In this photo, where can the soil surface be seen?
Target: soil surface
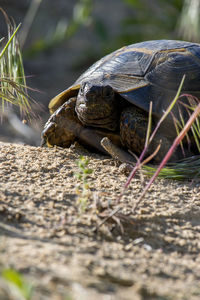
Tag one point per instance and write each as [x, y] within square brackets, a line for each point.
[65, 254]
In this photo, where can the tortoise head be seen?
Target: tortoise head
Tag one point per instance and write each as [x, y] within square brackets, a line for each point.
[96, 106]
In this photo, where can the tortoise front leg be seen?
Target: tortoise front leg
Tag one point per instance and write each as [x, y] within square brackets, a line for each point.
[133, 129]
[64, 127]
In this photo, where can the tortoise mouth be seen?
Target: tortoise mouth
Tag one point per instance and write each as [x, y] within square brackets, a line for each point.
[97, 115]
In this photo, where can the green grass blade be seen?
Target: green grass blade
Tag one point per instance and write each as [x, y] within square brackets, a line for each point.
[149, 125]
[9, 41]
[13, 88]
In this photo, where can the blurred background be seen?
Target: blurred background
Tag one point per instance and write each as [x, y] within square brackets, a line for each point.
[60, 39]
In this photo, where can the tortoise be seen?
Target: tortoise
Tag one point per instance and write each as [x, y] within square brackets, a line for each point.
[112, 98]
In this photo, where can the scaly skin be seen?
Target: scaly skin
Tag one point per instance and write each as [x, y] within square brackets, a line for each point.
[62, 127]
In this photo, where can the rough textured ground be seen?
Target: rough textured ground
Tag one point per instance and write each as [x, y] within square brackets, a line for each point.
[153, 254]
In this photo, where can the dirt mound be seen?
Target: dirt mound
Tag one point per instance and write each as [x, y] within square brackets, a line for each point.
[153, 254]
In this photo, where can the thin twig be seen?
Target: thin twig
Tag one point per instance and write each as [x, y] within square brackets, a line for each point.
[108, 217]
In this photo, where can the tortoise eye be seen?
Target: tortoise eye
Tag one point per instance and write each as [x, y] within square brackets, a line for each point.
[107, 91]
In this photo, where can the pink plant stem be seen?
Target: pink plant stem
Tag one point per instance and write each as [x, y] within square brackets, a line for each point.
[142, 155]
[135, 168]
[176, 142]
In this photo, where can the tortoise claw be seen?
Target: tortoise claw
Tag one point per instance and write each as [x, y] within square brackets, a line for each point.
[48, 133]
[43, 142]
[62, 126]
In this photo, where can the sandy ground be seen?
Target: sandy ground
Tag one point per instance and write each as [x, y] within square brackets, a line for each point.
[153, 254]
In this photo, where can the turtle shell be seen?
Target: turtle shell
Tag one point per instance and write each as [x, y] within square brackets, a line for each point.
[144, 72]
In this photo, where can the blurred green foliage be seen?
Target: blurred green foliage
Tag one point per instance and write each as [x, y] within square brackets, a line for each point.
[18, 284]
[189, 21]
[64, 29]
[145, 20]
[150, 20]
